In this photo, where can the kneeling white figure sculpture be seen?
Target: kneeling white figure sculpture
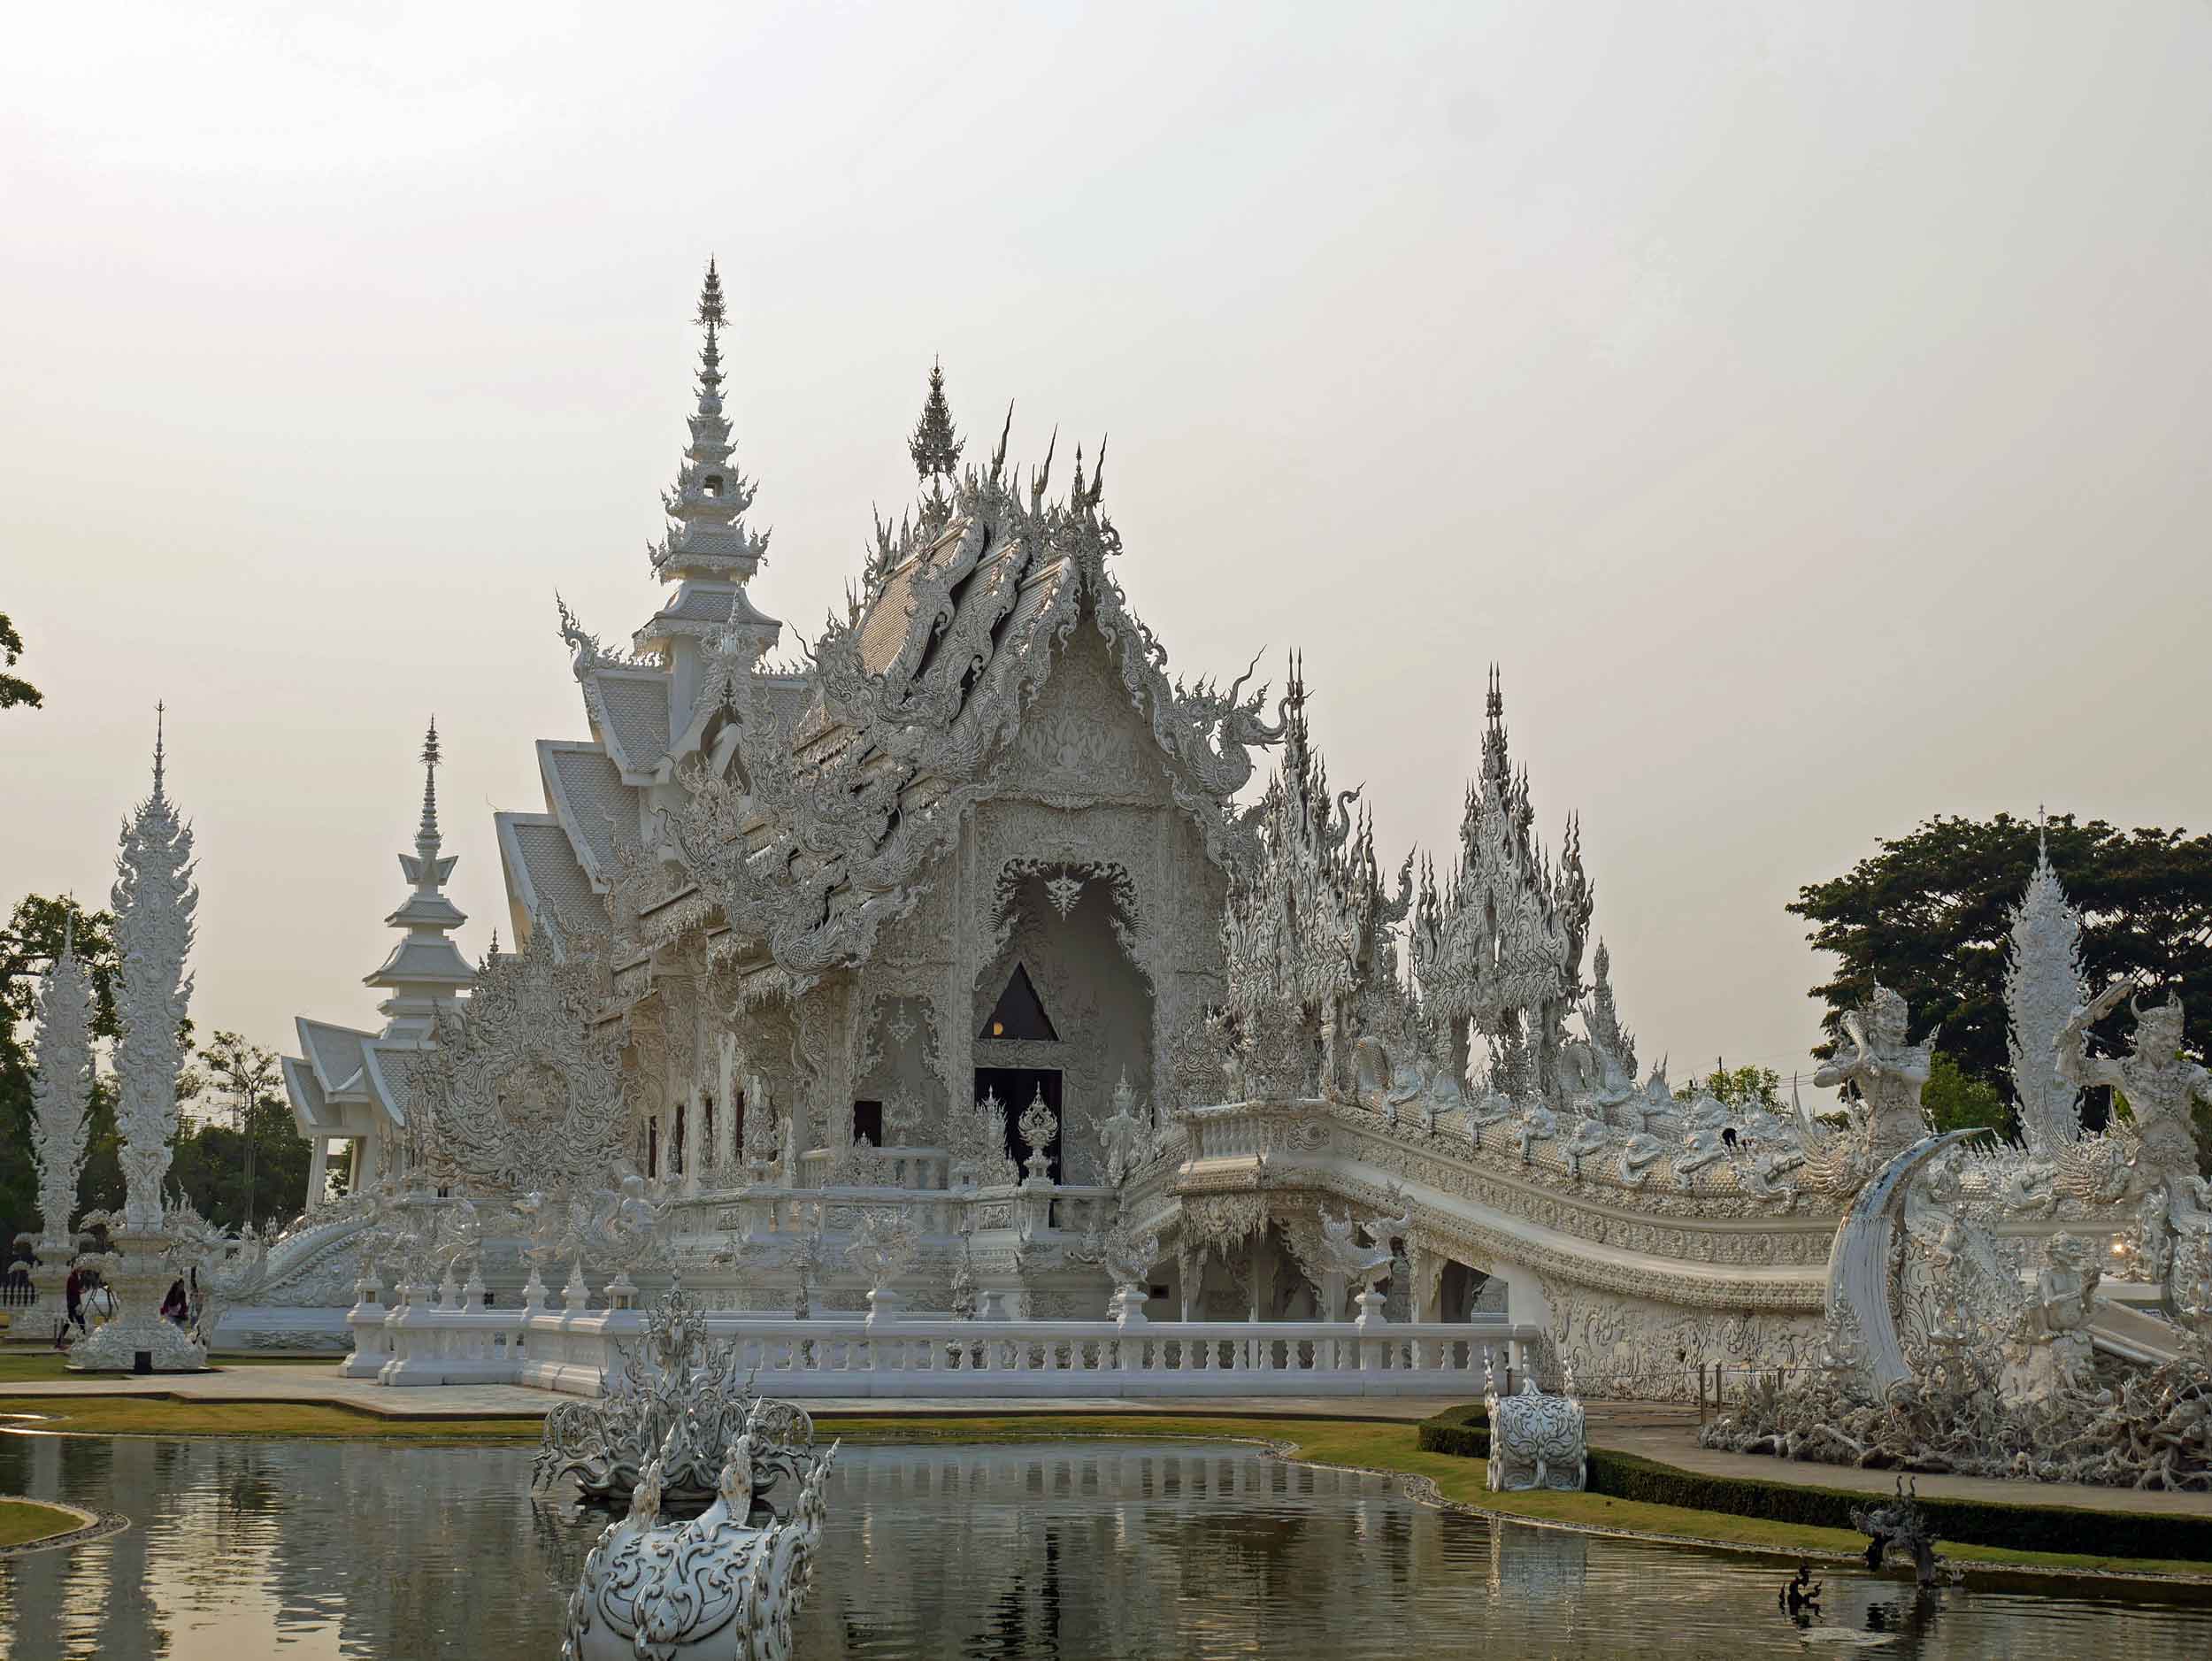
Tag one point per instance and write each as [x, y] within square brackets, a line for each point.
[720, 1587]
[1536, 1441]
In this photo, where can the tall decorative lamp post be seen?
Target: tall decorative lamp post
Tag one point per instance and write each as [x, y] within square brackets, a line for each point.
[154, 899]
[59, 1097]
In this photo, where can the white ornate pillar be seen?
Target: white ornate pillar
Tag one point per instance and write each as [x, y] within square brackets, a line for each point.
[725, 1093]
[694, 1134]
[1426, 1266]
[318, 1172]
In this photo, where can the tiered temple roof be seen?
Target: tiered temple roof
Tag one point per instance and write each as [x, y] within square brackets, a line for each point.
[349, 1082]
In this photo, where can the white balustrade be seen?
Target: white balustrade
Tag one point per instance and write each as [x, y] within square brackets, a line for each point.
[572, 1351]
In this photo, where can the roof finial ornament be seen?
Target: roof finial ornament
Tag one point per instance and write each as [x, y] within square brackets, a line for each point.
[1041, 478]
[935, 446]
[712, 316]
[998, 456]
[429, 831]
[710, 311]
[160, 719]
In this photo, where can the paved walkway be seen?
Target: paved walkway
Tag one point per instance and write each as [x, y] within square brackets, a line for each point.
[244, 1383]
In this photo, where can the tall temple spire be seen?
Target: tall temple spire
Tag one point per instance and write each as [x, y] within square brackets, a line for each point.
[426, 837]
[425, 969]
[708, 551]
[61, 1088]
[2043, 988]
[154, 899]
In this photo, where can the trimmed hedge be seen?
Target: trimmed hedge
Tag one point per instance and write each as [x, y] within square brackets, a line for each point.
[1465, 1431]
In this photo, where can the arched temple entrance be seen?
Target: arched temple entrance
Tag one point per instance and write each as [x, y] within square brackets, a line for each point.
[1061, 1010]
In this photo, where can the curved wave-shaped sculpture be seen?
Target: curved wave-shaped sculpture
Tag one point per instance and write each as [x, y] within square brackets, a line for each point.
[719, 1587]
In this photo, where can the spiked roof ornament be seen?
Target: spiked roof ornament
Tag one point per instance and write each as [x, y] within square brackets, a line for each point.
[936, 447]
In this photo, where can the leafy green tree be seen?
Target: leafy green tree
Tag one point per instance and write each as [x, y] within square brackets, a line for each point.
[28, 945]
[1738, 1086]
[244, 1161]
[1927, 913]
[1956, 1100]
[14, 689]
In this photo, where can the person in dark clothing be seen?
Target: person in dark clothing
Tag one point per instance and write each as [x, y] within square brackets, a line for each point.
[175, 1307]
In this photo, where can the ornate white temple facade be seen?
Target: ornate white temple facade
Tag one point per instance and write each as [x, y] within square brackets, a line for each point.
[940, 972]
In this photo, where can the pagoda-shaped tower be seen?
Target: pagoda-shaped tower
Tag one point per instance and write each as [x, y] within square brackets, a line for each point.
[425, 970]
[352, 1085]
[710, 553]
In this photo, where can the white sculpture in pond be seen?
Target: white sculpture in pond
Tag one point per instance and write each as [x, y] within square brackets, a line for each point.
[1536, 1441]
[719, 1587]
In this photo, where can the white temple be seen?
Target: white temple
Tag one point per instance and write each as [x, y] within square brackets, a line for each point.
[943, 974]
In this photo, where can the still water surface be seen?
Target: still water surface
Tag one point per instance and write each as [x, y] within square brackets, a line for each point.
[239, 1549]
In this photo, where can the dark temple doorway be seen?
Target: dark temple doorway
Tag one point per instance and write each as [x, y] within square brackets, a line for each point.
[1016, 1089]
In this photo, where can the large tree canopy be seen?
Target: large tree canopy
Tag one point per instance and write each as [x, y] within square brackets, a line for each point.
[1928, 914]
[243, 1162]
[13, 688]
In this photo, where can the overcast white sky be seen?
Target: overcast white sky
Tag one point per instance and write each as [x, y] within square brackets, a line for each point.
[1806, 405]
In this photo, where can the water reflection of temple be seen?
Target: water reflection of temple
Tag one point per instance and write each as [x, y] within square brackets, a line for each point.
[1065, 1549]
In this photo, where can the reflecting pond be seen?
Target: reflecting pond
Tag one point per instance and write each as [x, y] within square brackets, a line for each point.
[1109, 1548]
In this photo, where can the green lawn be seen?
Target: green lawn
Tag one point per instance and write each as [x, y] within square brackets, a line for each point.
[22, 1521]
[174, 1416]
[38, 1366]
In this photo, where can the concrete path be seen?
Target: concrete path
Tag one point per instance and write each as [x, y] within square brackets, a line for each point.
[244, 1383]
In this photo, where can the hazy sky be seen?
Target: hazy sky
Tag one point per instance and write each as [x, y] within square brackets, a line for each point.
[1805, 406]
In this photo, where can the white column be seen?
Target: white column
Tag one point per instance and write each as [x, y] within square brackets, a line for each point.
[318, 1172]
[693, 1137]
[726, 1085]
